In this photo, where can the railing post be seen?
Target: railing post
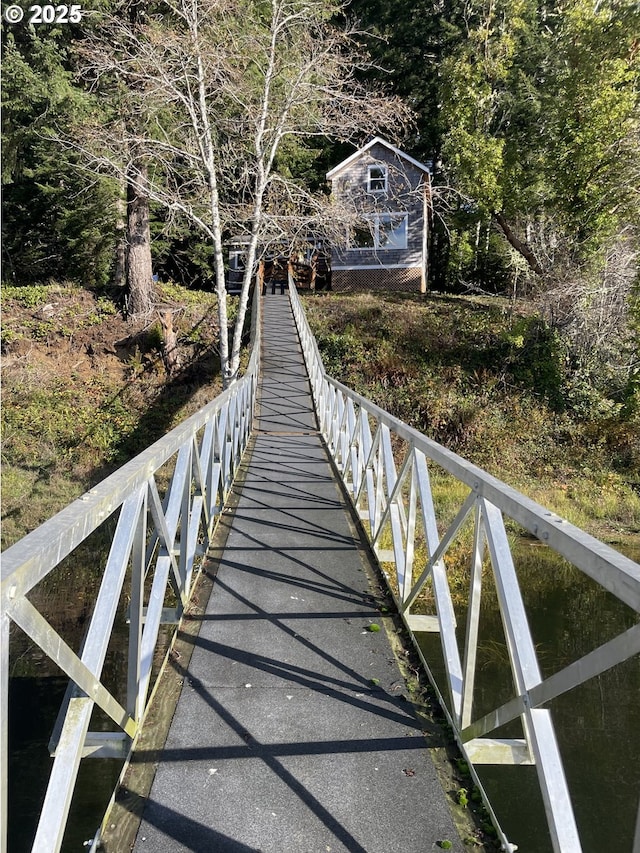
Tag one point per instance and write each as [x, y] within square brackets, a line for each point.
[411, 531]
[473, 619]
[185, 527]
[138, 565]
[210, 473]
[524, 665]
[4, 729]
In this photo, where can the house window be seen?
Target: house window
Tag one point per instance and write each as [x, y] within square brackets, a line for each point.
[377, 179]
[381, 231]
[363, 236]
[392, 231]
[237, 260]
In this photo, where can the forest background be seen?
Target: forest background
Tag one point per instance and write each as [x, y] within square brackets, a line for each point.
[529, 113]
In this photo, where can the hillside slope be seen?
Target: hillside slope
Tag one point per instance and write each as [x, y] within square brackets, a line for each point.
[491, 383]
[84, 390]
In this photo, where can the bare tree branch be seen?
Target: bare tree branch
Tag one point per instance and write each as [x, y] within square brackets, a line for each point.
[216, 87]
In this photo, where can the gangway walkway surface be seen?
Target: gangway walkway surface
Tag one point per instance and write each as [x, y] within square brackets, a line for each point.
[291, 732]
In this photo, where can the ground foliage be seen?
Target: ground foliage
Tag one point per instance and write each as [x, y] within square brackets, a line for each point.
[490, 381]
[84, 391]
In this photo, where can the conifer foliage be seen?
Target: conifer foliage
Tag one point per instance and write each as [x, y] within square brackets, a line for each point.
[56, 221]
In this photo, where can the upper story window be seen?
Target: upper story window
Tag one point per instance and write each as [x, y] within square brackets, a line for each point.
[377, 179]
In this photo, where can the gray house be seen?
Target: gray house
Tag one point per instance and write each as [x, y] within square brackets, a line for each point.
[385, 196]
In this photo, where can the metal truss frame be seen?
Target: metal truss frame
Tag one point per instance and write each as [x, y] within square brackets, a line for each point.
[384, 465]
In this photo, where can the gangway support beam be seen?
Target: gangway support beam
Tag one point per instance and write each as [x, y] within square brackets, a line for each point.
[498, 751]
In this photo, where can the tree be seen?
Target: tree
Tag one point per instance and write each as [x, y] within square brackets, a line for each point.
[490, 106]
[541, 110]
[408, 40]
[138, 266]
[57, 222]
[218, 89]
[591, 120]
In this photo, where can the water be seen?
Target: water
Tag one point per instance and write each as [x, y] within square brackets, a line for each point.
[597, 724]
[33, 707]
[66, 598]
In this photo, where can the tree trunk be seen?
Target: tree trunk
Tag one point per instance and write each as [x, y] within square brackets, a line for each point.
[522, 248]
[170, 354]
[120, 266]
[139, 271]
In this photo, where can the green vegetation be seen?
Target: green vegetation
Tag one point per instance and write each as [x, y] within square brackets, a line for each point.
[530, 113]
[462, 796]
[58, 222]
[84, 391]
[494, 385]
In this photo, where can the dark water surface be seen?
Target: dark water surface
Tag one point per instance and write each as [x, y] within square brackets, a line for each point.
[597, 725]
[33, 707]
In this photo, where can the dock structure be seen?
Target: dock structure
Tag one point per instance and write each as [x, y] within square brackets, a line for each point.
[282, 720]
[293, 731]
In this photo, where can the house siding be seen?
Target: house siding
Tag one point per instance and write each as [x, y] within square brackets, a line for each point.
[381, 268]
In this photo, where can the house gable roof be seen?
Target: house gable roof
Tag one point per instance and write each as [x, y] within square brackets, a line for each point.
[377, 140]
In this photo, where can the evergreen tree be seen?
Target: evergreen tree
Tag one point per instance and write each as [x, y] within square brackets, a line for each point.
[58, 222]
[541, 109]
[591, 120]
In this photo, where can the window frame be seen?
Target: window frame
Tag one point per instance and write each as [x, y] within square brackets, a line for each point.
[373, 221]
[382, 177]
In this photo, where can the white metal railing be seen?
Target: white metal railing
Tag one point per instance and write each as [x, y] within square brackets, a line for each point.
[394, 502]
[156, 542]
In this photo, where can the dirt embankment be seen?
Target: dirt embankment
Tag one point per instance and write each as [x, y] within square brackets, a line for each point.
[84, 389]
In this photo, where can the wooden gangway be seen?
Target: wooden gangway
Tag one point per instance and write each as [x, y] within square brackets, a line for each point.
[293, 731]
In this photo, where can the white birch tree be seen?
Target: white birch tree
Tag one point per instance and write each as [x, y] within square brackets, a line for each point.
[217, 88]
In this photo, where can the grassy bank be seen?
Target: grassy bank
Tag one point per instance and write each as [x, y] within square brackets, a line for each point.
[492, 384]
[84, 390]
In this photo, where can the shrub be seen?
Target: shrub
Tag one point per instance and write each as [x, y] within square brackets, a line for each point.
[537, 358]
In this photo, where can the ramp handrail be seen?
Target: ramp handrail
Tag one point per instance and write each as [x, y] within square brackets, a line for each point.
[156, 542]
[393, 498]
